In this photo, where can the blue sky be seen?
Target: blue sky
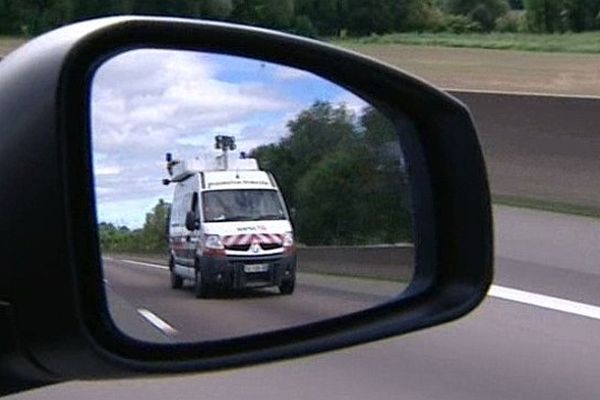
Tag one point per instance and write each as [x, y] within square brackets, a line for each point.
[149, 102]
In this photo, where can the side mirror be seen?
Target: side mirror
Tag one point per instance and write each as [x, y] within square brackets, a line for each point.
[423, 169]
[191, 221]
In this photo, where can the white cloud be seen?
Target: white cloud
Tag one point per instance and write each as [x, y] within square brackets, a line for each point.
[352, 102]
[107, 170]
[286, 73]
[175, 95]
[149, 102]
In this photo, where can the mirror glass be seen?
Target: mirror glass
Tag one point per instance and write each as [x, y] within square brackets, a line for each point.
[236, 196]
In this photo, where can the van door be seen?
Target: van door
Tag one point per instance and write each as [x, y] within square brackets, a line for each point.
[177, 223]
[191, 237]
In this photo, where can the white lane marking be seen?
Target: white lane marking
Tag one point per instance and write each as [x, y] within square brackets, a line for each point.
[145, 264]
[543, 301]
[506, 293]
[157, 322]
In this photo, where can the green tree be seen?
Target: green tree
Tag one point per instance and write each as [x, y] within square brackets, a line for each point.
[318, 131]
[279, 160]
[277, 14]
[352, 197]
[303, 26]
[330, 197]
[344, 176]
[546, 15]
[150, 238]
[582, 15]
[9, 17]
[378, 130]
[389, 188]
[484, 12]
[217, 9]
[153, 232]
[117, 238]
[328, 17]
[314, 133]
[516, 4]
[37, 16]
[424, 15]
[375, 16]
[84, 9]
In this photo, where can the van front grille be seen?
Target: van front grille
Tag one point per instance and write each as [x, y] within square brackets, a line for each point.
[246, 247]
[238, 247]
[270, 246]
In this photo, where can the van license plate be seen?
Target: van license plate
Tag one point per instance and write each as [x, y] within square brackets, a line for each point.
[256, 267]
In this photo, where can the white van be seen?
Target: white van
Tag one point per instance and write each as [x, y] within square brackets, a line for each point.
[229, 228]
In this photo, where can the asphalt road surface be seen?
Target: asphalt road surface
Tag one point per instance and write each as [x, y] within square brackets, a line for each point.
[539, 147]
[535, 337]
[140, 291]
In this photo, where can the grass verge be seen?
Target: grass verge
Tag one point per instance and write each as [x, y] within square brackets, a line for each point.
[161, 259]
[8, 44]
[544, 205]
[360, 278]
[586, 42]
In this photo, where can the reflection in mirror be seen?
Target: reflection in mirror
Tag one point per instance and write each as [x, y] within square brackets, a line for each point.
[283, 201]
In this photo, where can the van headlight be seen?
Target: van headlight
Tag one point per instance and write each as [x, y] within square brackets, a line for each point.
[288, 239]
[288, 242]
[213, 246]
[213, 242]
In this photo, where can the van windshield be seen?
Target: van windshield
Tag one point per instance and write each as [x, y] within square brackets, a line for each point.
[242, 205]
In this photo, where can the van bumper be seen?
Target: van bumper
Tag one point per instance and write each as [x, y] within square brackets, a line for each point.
[231, 272]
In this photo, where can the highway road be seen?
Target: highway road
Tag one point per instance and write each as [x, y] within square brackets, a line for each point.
[539, 147]
[535, 337]
[140, 291]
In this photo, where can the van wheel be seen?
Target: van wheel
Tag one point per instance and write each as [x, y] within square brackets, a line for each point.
[287, 287]
[201, 289]
[176, 280]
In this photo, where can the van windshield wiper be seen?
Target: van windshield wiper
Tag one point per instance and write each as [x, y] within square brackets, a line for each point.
[234, 218]
[248, 218]
[268, 216]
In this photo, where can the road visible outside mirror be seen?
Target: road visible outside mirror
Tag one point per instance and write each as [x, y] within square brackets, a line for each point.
[236, 196]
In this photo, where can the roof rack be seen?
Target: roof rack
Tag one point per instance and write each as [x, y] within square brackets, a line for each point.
[179, 170]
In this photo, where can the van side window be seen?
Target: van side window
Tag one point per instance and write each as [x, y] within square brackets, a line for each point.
[174, 209]
[178, 208]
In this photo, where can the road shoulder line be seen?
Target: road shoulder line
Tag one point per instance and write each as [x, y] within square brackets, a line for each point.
[497, 291]
[543, 301]
[157, 321]
[145, 264]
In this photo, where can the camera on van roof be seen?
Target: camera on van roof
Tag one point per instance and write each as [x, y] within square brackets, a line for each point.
[225, 142]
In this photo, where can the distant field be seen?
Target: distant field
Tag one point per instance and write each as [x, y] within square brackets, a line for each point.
[7, 44]
[478, 68]
[588, 42]
[499, 70]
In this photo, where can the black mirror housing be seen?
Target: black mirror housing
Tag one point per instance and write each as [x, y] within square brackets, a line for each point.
[46, 155]
[191, 221]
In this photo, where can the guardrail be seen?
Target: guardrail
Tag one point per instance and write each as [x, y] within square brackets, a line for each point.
[378, 262]
[540, 146]
[375, 262]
